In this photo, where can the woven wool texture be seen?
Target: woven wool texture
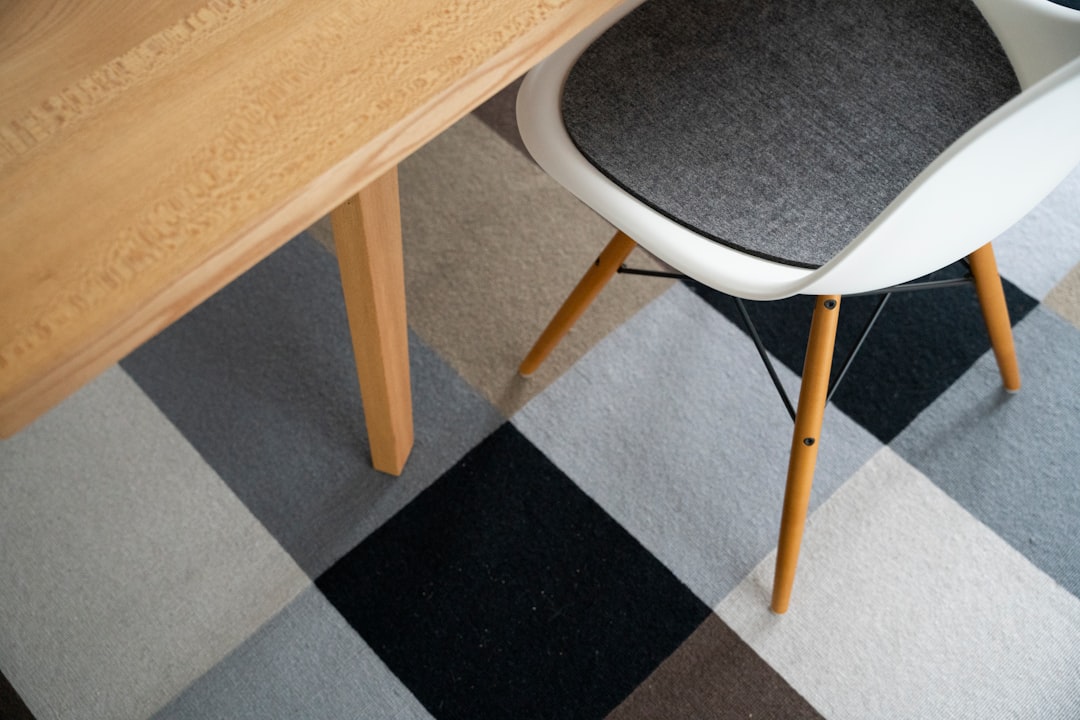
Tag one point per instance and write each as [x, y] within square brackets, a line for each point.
[782, 128]
[198, 533]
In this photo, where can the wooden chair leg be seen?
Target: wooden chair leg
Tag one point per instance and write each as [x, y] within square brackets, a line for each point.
[817, 368]
[579, 300]
[996, 314]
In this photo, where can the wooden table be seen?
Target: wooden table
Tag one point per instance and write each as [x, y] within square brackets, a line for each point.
[150, 152]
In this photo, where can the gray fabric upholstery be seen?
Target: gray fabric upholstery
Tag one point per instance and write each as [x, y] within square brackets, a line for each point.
[782, 128]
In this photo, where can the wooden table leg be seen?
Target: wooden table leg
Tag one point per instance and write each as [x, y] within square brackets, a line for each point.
[367, 236]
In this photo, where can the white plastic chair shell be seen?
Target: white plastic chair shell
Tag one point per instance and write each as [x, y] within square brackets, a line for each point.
[982, 184]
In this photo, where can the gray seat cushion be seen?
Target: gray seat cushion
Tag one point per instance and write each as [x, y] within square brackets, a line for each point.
[782, 128]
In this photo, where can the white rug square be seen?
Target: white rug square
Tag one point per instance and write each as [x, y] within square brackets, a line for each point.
[962, 625]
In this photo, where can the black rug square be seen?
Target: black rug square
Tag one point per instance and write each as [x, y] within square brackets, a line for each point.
[11, 705]
[920, 345]
[504, 591]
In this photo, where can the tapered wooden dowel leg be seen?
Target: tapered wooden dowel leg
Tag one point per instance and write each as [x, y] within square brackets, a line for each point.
[996, 314]
[817, 368]
[367, 237]
[574, 306]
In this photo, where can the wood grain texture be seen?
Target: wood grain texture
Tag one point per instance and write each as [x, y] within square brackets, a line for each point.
[581, 297]
[995, 312]
[806, 439]
[145, 164]
[367, 237]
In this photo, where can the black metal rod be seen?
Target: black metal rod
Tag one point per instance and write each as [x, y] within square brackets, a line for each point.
[650, 273]
[764, 355]
[906, 287]
[858, 345]
[913, 286]
[886, 293]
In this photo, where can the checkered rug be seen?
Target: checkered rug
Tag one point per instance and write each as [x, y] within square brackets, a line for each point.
[198, 532]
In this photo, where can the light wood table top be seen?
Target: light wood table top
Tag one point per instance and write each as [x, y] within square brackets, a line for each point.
[150, 152]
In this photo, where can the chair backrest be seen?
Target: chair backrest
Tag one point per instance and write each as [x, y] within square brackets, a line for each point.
[1039, 36]
[979, 186]
[975, 190]
[993, 175]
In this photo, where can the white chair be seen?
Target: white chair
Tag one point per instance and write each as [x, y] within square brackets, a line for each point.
[774, 149]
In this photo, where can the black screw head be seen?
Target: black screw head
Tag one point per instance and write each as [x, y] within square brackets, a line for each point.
[808, 441]
[830, 304]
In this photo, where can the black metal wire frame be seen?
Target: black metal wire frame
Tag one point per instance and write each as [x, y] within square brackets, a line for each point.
[763, 353]
[651, 273]
[885, 294]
